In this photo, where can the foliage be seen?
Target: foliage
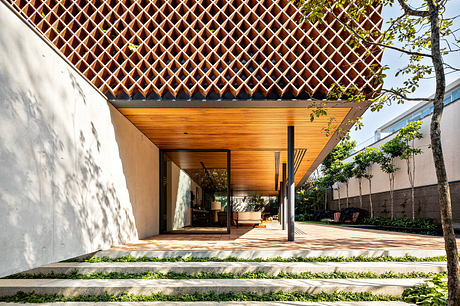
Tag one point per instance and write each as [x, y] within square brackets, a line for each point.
[433, 292]
[255, 203]
[409, 34]
[393, 148]
[130, 258]
[22, 297]
[272, 206]
[226, 275]
[426, 223]
[347, 171]
[312, 195]
[308, 198]
[408, 134]
[339, 153]
[326, 181]
[364, 159]
[133, 47]
[422, 33]
[303, 217]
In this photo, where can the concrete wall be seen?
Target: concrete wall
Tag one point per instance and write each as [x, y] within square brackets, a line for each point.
[425, 172]
[75, 176]
[179, 200]
[140, 160]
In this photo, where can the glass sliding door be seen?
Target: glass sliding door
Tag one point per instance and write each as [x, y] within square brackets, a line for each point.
[195, 191]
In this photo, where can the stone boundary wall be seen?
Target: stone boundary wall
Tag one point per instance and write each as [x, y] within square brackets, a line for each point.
[426, 202]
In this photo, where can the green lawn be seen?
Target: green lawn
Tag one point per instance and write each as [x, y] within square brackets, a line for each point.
[334, 224]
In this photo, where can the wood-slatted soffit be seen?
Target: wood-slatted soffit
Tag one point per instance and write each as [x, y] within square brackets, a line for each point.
[196, 49]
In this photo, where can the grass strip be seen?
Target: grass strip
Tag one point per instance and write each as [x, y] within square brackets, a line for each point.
[213, 275]
[22, 297]
[130, 258]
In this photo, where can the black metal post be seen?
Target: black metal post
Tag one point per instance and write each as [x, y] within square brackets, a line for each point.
[280, 204]
[162, 194]
[229, 197]
[284, 198]
[291, 186]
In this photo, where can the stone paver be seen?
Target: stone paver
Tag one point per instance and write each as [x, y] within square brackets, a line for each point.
[317, 237]
[70, 287]
[240, 267]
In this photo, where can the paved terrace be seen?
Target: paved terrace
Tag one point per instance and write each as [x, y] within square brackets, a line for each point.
[308, 237]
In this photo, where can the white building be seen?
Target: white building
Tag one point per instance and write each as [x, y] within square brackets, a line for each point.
[425, 181]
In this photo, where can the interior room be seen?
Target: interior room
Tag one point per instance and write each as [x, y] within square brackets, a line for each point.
[195, 191]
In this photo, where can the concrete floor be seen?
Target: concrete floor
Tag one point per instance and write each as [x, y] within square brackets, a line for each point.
[312, 237]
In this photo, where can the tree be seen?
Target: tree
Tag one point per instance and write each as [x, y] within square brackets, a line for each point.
[339, 178]
[359, 171]
[325, 182]
[409, 134]
[347, 174]
[332, 165]
[364, 160]
[424, 35]
[339, 153]
[390, 150]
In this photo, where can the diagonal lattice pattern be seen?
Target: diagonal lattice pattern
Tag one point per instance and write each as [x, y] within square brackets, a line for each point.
[187, 49]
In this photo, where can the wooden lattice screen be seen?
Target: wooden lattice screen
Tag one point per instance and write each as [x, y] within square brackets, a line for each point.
[195, 49]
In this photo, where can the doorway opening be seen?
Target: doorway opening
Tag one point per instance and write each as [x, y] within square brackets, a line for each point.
[195, 195]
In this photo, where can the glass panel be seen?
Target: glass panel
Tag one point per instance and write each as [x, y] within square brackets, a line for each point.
[196, 191]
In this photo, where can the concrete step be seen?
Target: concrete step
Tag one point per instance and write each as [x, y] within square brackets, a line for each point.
[268, 253]
[217, 303]
[239, 267]
[70, 287]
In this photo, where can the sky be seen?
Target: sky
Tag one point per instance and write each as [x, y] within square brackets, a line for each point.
[373, 120]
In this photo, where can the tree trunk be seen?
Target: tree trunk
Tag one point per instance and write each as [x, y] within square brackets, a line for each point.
[436, 148]
[346, 184]
[338, 192]
[412, 195]
[411, 175]
[413, 184]
[392, 203]
[370, 198]
[360, 193]
[325, 199]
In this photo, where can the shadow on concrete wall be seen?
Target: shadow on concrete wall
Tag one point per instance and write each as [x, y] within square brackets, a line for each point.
[140, 162]
[56, 200]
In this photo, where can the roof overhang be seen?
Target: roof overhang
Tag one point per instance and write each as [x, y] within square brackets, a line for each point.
[254, 131]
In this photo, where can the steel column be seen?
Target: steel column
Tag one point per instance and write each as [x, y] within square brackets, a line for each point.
[284, 198]
[291, 184]
[229, 193]
[281, 206]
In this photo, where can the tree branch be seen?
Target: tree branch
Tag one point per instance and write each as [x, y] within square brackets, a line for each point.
[448, 66]
[397, 93]
[376, 43]
[410, 11]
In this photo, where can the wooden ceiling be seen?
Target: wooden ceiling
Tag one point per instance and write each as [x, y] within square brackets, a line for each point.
[252, 134]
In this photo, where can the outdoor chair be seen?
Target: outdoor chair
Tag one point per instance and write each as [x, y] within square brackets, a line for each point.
[336, 218]
[354, 218]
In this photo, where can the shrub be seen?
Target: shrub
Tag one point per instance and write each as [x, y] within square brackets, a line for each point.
[426, 223]
[433, 292]
[303, 217]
